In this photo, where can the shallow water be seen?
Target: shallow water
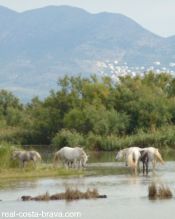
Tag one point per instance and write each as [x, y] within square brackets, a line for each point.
[126, 194]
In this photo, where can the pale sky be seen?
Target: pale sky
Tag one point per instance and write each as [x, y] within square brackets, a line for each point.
[157, 16]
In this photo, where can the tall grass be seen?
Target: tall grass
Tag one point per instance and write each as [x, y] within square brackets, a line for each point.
[11, 135]
[156, 191]
[162, 138]
[69, 195]
[6, 160]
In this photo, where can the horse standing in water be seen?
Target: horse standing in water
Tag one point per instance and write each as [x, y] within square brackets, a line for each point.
[71, 157]
[26, 156]
[153, 155]
[122, 154]
[144, 158]
[131, 156]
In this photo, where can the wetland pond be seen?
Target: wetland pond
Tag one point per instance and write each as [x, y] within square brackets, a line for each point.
[127, 196]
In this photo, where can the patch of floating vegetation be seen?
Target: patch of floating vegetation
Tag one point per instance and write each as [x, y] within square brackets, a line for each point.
[156, 191]
[68, 195]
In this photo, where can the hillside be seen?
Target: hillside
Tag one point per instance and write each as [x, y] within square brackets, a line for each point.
[38, 46]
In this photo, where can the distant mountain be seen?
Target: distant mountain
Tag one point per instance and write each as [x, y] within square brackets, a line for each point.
[38, 46]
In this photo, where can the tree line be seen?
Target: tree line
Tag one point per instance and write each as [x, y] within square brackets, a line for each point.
[97, 112]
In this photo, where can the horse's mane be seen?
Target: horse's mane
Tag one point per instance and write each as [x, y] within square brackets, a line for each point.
[155, 152]
[158, 156]
[124, 151]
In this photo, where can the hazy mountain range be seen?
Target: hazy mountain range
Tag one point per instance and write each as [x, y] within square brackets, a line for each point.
[38, 46]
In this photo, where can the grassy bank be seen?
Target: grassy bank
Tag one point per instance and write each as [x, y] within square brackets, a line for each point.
[29, 173]
[11, 169]
[46, 170]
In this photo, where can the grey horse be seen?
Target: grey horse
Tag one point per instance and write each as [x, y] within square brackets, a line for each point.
[26, 156]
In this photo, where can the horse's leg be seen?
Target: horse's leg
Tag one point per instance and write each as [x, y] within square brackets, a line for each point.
[135, 168]
[76, 164]
[143, 168]
[139, 166]
[73, 163]
[154, 165]
[69, 164]
[66, 164]
[147, 168]
[23, 163]
[34, 163]
[126, 161]
[81, 164]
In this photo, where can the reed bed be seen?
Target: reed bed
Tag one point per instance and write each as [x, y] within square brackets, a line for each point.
[156, 191]
[68, 195]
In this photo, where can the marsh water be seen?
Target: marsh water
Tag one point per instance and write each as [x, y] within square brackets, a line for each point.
[127, 196]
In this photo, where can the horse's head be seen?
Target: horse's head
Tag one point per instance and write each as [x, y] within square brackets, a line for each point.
[84, 159]
[119, 155]
[34, 155]
[15, 154]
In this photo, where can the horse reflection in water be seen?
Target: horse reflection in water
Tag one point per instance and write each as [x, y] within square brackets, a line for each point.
[133, 155]
[26, 156]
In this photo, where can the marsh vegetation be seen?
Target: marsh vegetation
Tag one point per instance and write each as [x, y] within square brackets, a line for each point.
[159, 191]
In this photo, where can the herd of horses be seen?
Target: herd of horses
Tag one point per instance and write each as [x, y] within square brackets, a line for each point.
[77, 158]
[134, 155]
[70, 157]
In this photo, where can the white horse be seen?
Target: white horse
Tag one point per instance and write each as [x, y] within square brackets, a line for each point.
[154, 156]
[122, 154]
[26, 156]
[71, 157]
[131, 156]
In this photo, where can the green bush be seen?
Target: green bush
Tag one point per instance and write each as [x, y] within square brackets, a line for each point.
[67, 137]
[93, 141]
[6, 160]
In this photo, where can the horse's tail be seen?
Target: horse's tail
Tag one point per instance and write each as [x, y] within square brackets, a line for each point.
[132, 162]
[55, 158]
[38, 156]
[158, 156]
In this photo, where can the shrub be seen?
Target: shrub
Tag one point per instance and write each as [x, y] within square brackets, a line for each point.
[6, 160]
[67, 137]
[94, 141]
[16, 135]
